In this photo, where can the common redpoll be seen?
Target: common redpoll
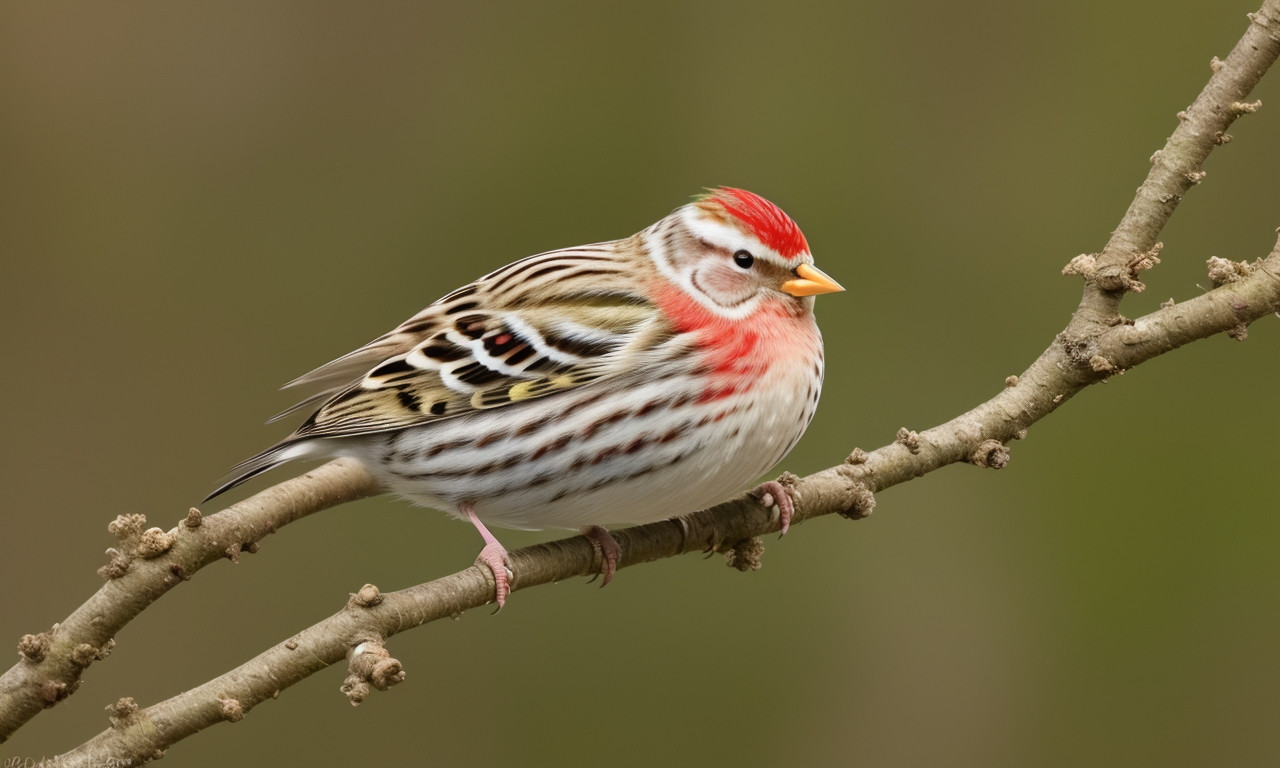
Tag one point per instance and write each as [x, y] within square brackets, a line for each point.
[621, 382]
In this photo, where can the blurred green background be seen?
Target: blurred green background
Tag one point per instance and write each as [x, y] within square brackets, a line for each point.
[200, 201]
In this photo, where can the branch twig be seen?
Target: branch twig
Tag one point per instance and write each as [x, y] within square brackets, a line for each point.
[148, 564]
[1177, 167]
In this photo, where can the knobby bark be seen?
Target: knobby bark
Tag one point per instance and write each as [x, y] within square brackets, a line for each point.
[1096, 344]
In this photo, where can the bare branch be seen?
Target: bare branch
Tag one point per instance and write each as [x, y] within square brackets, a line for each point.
[1177, 167]
[148, 564]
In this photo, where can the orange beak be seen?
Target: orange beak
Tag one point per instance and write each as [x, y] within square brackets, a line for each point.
[810, 281]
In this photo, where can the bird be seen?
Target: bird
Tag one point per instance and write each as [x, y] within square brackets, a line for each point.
[620, 382]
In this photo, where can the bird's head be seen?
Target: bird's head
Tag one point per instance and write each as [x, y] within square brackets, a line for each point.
[734, 251]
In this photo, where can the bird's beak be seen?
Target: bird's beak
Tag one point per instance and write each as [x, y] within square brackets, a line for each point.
[810, 281]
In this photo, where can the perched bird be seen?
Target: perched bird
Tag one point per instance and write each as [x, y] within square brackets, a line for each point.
[622, 382]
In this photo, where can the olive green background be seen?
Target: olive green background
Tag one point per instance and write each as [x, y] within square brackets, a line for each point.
[201, 201]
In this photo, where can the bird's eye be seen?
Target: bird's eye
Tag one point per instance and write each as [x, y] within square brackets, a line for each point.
[744, 259]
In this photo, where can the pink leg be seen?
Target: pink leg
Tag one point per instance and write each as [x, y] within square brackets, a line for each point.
[608, 548]
[773, 492]
[494, 555]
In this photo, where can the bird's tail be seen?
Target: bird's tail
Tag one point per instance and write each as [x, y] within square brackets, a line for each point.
[252, 467]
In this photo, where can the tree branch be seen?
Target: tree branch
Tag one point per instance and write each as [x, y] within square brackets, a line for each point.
[1178, 165]
[148, 564]
[1096, 344]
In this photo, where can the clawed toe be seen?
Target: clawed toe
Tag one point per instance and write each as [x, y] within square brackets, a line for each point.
[494, 557]
[775, 493]
[608, 549]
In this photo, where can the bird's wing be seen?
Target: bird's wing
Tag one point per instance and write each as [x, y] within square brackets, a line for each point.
[542, 325]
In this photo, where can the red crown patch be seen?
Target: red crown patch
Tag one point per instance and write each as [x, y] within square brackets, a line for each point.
[763, 219]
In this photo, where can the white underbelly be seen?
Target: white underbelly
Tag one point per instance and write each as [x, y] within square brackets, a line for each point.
[634, 456]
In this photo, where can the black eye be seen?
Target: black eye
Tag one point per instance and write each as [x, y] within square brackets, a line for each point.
[744, 259]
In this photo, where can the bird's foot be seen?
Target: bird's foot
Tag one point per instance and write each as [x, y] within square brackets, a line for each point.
[494, 557]
[609, 551]
[775, 493]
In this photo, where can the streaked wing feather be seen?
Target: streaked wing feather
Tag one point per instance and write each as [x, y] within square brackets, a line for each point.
[336, 375]
[525, 331]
